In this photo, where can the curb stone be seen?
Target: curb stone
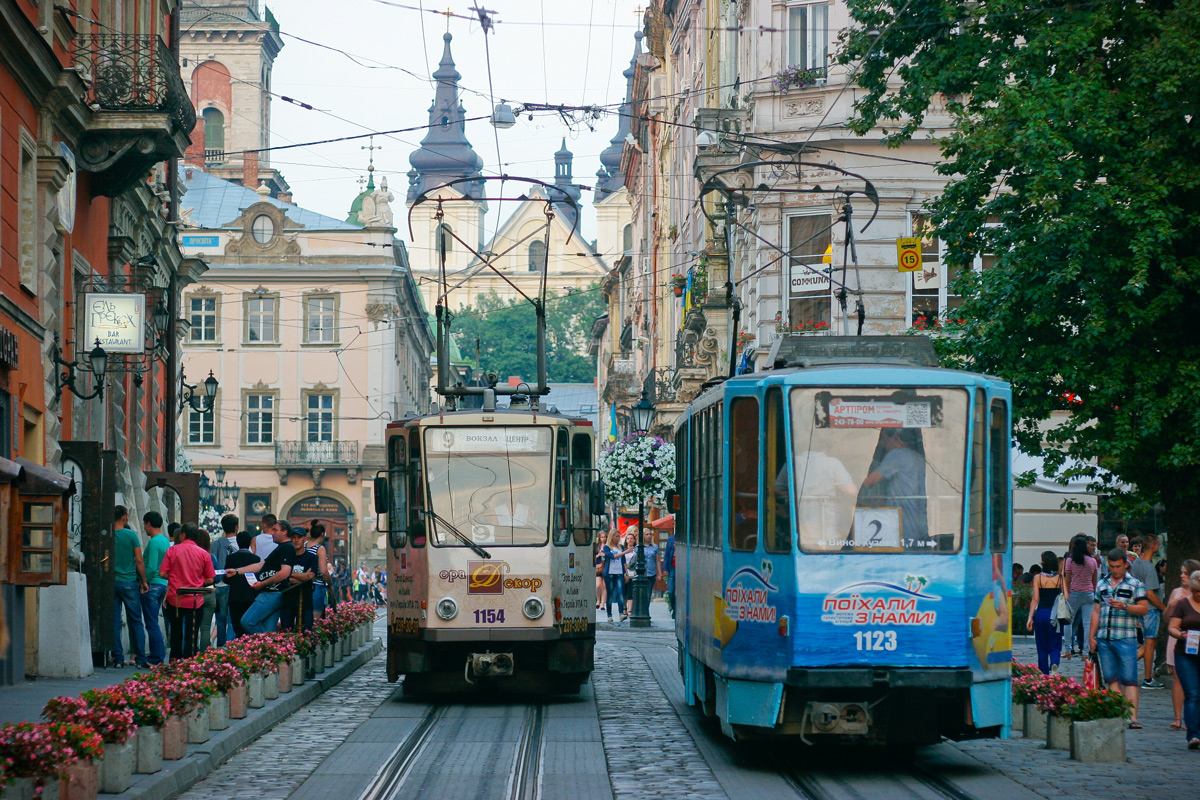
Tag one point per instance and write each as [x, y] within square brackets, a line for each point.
[178, 776]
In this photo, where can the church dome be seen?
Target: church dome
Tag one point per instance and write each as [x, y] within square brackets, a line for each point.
[445, 152]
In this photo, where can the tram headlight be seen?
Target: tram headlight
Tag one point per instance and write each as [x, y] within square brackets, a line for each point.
[534, 607]
[447, 608]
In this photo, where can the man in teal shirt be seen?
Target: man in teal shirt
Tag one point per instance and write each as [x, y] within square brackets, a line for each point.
[130, 575]
[152, 598]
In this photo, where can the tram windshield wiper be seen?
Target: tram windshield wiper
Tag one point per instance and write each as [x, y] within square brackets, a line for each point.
[461, 536]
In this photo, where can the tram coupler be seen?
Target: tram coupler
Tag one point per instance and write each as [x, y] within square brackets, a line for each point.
[491, 665]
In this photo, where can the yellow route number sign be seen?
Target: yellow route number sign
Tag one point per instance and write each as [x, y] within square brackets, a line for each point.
[908, 254]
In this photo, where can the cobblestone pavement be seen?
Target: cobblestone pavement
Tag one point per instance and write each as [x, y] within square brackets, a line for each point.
[632, 706]
[1159, 764]
[276, 764]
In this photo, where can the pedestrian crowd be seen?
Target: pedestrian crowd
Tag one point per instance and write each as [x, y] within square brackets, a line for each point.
[280, 579]
[1110, 610]
[615, 559]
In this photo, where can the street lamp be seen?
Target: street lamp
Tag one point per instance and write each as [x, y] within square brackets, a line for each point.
[642, 414]
[349, 536]
[219, 495]
[200, 404]
[97, 364]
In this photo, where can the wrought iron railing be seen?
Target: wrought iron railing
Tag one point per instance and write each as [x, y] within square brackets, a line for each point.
[135, 73]
[659, 385]
[214, 156]
[316, 454]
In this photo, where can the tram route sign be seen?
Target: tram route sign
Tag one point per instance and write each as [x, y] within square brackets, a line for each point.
[908, 254]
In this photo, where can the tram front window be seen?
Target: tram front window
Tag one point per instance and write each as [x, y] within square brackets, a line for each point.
[491, 484]
[877, 469]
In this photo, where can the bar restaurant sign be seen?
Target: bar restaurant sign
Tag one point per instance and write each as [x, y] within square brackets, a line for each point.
[117, 320]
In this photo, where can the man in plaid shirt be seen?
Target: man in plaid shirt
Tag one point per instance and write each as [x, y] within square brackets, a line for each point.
[1120, 601]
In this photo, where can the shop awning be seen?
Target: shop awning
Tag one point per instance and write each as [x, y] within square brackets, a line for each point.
[45, 481]
[10, 471]
[665, 523]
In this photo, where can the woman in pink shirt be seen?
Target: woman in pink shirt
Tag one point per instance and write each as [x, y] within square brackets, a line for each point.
[185, 566]
[1080, 573]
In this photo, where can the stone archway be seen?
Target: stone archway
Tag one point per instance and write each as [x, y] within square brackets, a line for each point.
[329, 508]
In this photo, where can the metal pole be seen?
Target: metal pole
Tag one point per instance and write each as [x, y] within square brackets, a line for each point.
[641, 590]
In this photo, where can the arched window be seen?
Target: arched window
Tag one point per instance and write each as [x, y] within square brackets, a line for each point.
[214, 132]
[627, 239]
[537, 256]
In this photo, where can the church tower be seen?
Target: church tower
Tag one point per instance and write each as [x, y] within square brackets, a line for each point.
[445, 154]
[227, 50]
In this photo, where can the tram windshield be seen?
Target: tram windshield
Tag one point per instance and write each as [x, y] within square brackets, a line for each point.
[491, 484]
[877, 469]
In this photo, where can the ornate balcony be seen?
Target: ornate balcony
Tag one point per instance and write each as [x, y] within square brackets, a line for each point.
[316, 458]
[142, 112]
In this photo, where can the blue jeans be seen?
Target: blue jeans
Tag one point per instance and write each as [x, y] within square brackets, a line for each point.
[224, 629]
[129, 597]
[1048, 637]
[1187, 671]
[1118, 660]
[1081, 604]
[319, 598]
[151, 608]
[616, 593]
[263, 615]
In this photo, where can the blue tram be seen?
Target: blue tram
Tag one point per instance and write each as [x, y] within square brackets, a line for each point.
[843, 548]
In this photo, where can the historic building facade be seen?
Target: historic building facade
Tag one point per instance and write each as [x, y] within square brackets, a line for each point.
[316, 331]
[92, 110]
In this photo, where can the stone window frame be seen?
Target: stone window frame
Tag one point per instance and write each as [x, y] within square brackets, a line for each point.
[260, 390]
[192, 328]
[215, 418]
[27, 205]
[815, 211]
[315, 391]
[260, 295]
[320, 294]
[786, 55]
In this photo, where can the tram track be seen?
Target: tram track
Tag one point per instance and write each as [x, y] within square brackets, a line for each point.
[440, 730]
[913, 783]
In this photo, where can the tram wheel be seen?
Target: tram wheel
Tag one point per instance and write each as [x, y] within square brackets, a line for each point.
[415, 686]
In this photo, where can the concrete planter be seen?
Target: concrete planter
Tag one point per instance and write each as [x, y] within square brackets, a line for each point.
[271, 685]
[197, 726]
[285, 677]
[1035, 722]
[338, 655]
[328, 656]
[174, 738]
[116, 770]
[310, 666]
[346, 648]
[1018, 717]
[1098, 740]
[149, 750]
[298, 671]
[82, 781]
[218, 713]
[26, 789]
[1058, 733]
[256, 691]
[238, 699]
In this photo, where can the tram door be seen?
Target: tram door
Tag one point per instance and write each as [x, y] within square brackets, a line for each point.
[759, 576]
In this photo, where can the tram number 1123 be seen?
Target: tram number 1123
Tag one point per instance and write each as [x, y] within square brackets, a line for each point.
[875, 640]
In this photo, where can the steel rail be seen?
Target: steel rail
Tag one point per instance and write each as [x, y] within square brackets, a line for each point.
[395, 770]
[524, 782]
[810, 786]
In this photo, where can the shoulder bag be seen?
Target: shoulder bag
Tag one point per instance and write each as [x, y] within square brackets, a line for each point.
[1062, 609]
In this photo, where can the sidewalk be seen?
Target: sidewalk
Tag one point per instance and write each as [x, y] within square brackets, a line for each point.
[1158, 761]
[660, 620]
[25, 702]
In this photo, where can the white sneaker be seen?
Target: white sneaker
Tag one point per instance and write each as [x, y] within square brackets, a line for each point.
[1054, 669]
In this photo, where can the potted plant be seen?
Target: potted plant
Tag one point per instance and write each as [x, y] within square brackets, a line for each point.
[151, 711]
[637, 467]
[36, 755]
[797, 77]
[678, 282]
[1098, 725]
[82, 747]
[103, 711]
[1051, 693]
[1020, 670]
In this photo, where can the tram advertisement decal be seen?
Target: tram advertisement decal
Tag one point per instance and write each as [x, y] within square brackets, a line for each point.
[746, 598]
[881, 603]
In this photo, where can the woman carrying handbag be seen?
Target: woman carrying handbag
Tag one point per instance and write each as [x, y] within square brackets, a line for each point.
[1049, 602]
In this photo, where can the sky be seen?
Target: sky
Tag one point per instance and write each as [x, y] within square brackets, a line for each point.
[542, 51]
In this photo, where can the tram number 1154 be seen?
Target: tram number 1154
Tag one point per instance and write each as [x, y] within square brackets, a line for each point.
[489, 616]
[875, 640]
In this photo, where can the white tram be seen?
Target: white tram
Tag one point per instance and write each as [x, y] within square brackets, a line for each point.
[490, 518]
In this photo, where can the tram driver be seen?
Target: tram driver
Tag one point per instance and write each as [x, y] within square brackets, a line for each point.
[900, 475]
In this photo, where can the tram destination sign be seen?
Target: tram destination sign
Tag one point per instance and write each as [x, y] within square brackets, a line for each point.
[489, 440]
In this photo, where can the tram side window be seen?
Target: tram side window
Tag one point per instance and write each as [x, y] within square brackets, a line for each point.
[743, 474]
[416, 489]
[777, 490]
[682, 467]
[562, 528]
[698, 477]
[1000, 444]
[975, 530]
[398, 484]
[716, 451]
[581, 487]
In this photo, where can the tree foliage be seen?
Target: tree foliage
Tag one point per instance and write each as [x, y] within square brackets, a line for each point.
[1074, 126]
[507, 334]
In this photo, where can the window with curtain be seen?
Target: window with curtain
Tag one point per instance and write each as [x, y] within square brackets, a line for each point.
[537, 256]
[808, 36]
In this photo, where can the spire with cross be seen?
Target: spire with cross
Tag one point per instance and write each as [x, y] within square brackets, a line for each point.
[371, 148]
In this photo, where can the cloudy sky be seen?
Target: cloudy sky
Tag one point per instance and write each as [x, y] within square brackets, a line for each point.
[542, 51]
